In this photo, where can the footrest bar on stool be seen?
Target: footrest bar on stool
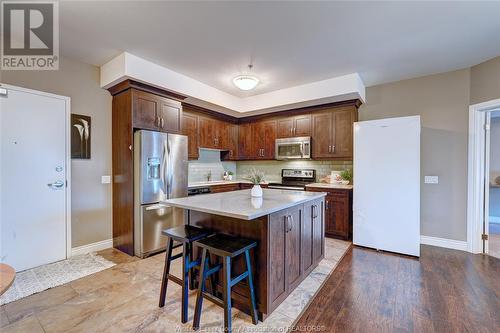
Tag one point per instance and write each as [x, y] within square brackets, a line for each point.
[213, 299]
[239, 278]
[175, 279]
[213, 270]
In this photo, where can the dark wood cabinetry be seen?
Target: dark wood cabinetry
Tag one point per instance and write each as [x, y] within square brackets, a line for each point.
[190, 129]
[293, 251]
[294, 126]
[332, 133]
[156, 113]
[135, 109]
[338, 212]
[312, 235]
[245, 142]
[264, 139]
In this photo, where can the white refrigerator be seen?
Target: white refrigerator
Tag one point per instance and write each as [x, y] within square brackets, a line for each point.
[386, 195]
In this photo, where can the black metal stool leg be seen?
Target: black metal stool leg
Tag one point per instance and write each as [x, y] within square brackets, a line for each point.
[185, 282]
[201, 289]
[166, 271]
[253, 306]
[226, 271]
[191, 271]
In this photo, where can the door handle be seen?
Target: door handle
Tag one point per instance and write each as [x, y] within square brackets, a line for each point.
[329, 149]
[333, 149]
[162, 122]
[56, 185]
[287, 223]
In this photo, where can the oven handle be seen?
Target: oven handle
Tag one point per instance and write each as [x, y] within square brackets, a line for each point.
[277, 187]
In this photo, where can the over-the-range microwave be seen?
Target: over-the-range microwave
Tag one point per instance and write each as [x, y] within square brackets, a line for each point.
[293, 148]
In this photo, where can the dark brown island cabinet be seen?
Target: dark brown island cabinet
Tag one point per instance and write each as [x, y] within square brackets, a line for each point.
[338, 212]
[140, 106]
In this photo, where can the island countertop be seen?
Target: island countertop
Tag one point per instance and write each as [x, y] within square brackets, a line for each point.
[240, 205]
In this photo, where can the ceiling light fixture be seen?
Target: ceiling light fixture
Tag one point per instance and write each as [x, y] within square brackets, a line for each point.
[246, 82]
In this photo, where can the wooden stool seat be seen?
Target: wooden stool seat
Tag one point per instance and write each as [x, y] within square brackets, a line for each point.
[226, 247]
[186, 235]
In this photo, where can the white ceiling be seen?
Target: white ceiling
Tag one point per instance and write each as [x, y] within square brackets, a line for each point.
[289, 43]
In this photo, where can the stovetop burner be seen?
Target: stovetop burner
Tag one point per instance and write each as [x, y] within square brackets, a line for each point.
[295, 179]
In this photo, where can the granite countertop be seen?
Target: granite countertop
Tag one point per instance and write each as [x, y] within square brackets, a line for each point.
[332, 186]
[219, 182]
[240, 205]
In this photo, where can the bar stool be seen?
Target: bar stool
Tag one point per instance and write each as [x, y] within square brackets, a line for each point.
[226, 247]
[185, 234]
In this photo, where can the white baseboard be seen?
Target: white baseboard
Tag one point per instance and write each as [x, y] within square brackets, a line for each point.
[494, 219]
[444, 242]
[93, 247]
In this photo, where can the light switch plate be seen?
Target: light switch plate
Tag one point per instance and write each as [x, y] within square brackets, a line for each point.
[431, 180]
[105, 179]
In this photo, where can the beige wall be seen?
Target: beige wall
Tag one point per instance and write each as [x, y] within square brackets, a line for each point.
[442, 102]
[485, 81]
[91, 201]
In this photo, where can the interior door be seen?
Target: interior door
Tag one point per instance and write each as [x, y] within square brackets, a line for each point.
[33, 178]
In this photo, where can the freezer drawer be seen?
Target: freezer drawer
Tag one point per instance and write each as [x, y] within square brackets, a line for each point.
[153, 219]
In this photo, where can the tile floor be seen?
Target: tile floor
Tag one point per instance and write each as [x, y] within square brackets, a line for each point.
[124, 298]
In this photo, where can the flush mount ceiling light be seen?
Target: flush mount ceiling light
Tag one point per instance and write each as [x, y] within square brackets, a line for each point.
[246, 82]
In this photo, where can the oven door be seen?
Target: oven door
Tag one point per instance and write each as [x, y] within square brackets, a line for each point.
[293, 148]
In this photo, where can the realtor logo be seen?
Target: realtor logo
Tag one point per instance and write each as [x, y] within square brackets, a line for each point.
[30, 35]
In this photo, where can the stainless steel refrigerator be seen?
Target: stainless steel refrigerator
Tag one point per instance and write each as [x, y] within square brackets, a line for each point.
[160, 172]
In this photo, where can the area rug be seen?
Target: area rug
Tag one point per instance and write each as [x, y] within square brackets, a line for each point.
[48, 276]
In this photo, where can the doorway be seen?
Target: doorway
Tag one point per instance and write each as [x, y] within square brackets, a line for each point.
[35, 218]
[493, 183]
[480, 177]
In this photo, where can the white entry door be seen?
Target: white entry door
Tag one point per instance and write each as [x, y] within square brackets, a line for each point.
[33, 177]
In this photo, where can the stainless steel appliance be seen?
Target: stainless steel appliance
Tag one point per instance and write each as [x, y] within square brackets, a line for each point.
[160, 172]
[295, 179]
[293, 148]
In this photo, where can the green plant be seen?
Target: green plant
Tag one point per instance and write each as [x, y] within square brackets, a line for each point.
[230, 173]
[255, 176]
[346, 174]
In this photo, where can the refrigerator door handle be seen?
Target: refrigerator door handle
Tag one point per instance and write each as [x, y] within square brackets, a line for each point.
[164, 173]
[170, 171]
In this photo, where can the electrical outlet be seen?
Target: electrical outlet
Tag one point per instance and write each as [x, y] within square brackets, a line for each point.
[105, 179]
[431, 180]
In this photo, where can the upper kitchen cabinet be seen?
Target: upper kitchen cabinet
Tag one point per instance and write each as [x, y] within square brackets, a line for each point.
[294, 126]
[245, 142]
[207, 128]
[332, 132]
[213, 133]
[153, 112]
[190, 129]
[264, 139]
[232, 143]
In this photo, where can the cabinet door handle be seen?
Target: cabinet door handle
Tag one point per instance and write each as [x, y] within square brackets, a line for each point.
[295, 130]
[157, 121]
[329, 149]
[291, 222]
[333, 149]
[315, 211]
[162, 122]
[291, 130]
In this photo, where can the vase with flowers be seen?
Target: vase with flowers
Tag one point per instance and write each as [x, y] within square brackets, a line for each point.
[256, 177]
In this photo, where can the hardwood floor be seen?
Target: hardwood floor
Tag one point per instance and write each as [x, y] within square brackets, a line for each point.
[443, 291]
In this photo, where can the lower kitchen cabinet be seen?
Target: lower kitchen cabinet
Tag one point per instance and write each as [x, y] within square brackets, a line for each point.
[224, 188]
[293, 253]
[338, 212]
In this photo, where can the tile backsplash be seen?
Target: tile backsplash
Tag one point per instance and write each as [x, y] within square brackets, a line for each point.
[209, 161]
[272, 169]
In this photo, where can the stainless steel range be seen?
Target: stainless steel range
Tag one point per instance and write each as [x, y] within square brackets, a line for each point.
[295, 179]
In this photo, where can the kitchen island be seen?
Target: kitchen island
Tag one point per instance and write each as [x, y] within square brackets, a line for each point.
[287, 225]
